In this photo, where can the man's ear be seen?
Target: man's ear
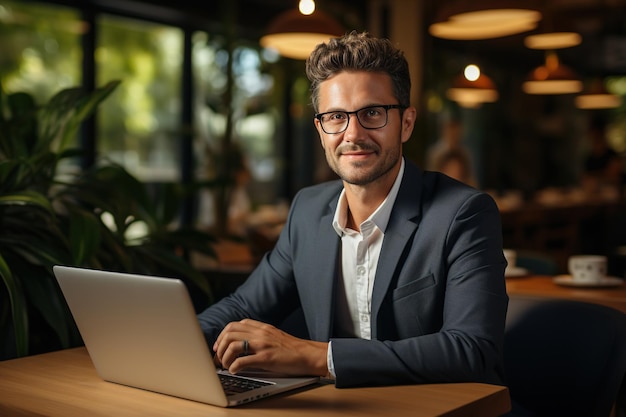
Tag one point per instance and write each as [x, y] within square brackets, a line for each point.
[320, 132]
[408, 122]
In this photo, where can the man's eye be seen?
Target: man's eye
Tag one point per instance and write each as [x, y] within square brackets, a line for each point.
[375, 112]
[337, 117]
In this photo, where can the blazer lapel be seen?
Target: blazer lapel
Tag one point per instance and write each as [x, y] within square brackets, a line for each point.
[321, 282]
[402, 225]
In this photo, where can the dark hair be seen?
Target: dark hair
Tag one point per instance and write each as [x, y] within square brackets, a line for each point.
[359, 52]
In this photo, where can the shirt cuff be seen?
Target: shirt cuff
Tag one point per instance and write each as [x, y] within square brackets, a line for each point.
[331, 366]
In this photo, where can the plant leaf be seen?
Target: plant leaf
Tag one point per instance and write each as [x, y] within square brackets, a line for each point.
[26, 197]
[70, 106]
[19, 311]
[44, 295]
[84, 235]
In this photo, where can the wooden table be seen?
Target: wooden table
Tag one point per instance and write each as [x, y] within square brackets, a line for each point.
[543, 286]
[65, 384]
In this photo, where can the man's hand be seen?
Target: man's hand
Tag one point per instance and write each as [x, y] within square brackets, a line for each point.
[253, 344]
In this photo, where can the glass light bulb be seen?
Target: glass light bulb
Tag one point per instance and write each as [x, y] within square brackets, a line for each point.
[472, 72]
[306, 7]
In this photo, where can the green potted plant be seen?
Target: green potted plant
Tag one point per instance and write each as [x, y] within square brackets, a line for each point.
[100, 218]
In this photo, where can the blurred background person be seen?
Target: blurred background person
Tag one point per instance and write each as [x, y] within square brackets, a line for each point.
[457, 164]
[449, 155]
[603, 167]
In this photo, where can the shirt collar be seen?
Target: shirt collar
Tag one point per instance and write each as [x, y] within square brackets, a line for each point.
[380, 217]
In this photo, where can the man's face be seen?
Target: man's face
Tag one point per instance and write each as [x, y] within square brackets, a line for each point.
[361, 156]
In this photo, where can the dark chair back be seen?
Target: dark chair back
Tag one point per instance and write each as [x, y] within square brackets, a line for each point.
[537, 263]
[564, 358]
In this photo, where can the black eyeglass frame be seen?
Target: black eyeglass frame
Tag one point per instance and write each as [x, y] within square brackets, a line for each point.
[387, 107]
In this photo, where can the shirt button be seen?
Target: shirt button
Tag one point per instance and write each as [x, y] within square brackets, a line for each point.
[365, 318]
[360, 270]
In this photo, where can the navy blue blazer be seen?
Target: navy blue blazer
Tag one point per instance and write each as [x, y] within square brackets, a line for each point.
[439, 298]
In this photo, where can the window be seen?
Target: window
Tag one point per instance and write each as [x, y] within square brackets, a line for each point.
[252, 158]
[139, 124]
[40, 49]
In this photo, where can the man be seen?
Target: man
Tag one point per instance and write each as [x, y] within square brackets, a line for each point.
[399, 272]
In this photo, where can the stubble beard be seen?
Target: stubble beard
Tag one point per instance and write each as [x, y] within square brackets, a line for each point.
[358, 173]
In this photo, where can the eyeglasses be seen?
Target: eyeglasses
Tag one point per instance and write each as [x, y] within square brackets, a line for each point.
[372, 117]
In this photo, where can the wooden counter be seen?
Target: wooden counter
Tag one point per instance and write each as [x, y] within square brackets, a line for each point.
[65, 384]
[543, 286]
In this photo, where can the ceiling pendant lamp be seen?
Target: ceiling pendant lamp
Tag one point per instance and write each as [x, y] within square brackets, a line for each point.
[552, 78]
[472, 88]
[464, 20]
[549, 38]
[597, 97]
[553, 40]
[294, 34]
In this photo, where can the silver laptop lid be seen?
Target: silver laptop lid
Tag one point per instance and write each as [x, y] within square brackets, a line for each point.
[143, 332]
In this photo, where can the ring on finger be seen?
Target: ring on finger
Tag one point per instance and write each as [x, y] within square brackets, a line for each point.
[246, 345]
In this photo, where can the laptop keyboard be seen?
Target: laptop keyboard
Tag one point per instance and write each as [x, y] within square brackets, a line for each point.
[234, 385]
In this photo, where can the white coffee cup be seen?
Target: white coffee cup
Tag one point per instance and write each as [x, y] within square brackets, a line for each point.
[587, 268]
[511, 257]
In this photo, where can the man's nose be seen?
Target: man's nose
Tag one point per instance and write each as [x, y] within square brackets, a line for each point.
[354, 126]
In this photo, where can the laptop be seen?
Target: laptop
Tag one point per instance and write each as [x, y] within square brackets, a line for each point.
[143, 332]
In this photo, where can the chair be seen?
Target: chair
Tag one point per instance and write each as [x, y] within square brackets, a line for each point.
[537, 263]
[564, 357]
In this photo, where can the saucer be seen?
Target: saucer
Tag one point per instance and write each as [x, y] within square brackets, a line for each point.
[515, 271]
[605, 282]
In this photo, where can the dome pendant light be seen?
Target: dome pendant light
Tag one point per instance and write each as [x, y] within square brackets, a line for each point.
[553, 40]
[467, 20]
[597, 97]
[295, 34]
[552, 78]
[472, 88]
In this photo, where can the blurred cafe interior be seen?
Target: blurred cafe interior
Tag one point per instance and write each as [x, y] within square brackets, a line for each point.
[212, 118]
[205, 98]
